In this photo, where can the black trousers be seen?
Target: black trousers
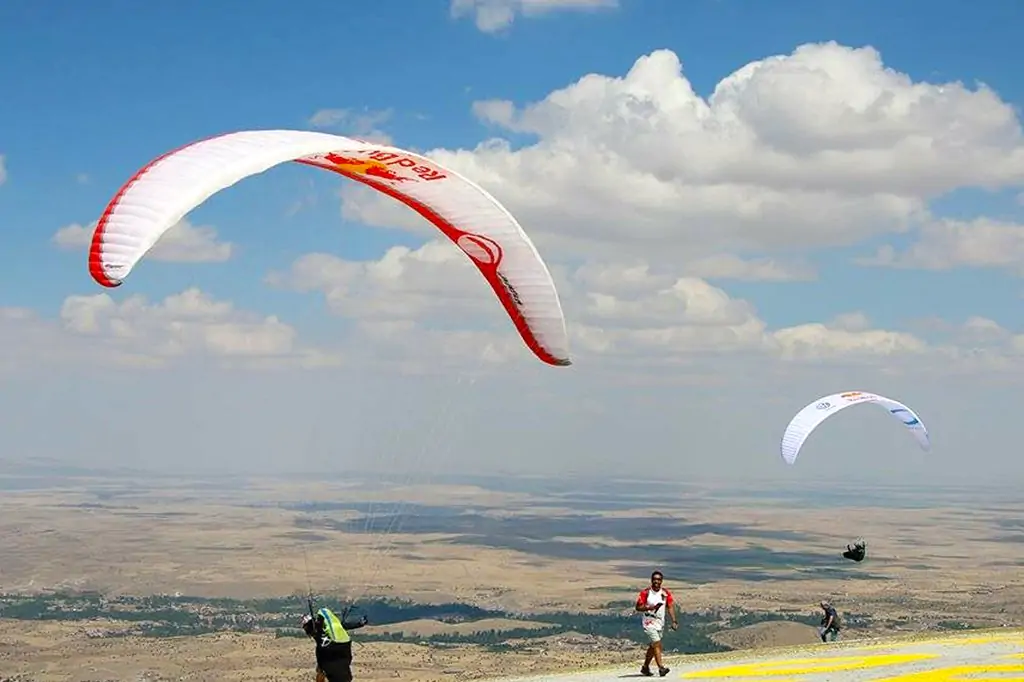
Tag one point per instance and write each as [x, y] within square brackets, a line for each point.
[338, 670]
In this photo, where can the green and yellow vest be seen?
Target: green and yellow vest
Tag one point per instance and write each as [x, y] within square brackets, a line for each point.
[333, 629]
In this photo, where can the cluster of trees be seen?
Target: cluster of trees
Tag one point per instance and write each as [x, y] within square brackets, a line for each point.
[165, 615]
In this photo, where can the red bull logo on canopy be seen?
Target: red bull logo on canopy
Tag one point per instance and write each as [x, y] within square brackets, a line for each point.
[383, 165]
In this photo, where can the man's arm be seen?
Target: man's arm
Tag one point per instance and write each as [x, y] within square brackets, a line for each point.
[670, 607]
[641, 602]
[309, 628]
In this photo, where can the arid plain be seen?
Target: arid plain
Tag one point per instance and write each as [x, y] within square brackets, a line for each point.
[937, 558]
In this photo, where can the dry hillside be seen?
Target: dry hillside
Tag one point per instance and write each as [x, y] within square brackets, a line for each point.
[770, 634]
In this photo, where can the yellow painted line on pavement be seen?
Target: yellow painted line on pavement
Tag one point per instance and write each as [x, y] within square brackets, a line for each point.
[805, 666]
[958, 673]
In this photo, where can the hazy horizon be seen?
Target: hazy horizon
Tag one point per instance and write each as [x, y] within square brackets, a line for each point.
[578, 491]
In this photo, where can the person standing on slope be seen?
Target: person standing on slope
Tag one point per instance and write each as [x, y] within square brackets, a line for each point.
[829, 622]
[653, 602]
[333, 644]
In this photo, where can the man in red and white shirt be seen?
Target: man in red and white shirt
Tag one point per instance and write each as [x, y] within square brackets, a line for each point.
[653, 602]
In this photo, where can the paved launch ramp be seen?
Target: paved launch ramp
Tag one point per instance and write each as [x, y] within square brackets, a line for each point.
[979, 655]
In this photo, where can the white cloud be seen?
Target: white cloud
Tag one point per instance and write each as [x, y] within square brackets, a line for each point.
[415, 307]
[947, 244]
[3, 169]
[662, 353]
[817, 341]
[182, 243]
[732, 267]
[688, 315]
[491, 16]
[134, 332]
[851, 322]
[820, 148]
[189, 321]
[421, 299]
[405, 283]
[328, 118]
[983, 330]
[360, 204]
[364, 124]
[639, 192]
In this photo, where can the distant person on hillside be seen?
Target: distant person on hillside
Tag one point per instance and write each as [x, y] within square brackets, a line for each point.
[653, 602]
[333, 644]
[829, 622]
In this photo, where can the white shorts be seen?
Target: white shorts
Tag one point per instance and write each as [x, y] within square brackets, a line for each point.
[653, 633]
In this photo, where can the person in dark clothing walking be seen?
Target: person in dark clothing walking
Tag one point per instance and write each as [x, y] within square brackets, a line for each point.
[333, 644]
[829, 622]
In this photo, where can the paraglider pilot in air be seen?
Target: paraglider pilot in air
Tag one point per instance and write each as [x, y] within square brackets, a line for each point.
[856, 551]
[333, 644]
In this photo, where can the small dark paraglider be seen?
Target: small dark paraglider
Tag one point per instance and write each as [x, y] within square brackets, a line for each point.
[856, 551]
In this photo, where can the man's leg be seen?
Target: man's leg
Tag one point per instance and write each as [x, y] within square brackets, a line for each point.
[653, 650]
[662, 670]
[646, 669]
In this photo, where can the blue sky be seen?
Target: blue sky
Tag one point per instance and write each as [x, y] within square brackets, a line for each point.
[92, 91]
[101, 88]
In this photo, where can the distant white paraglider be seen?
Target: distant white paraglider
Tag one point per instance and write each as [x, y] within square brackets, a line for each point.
[821, 409]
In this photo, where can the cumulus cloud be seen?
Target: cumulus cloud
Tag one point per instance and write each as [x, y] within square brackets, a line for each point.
[360, 204]
[851, 322]
[676, 317]
[189, 321]
[364, 124]
[820, 148]
[643, 196]
[817, 341]
[183, 243]
[410, 305]
[732, 267]
[641, 193]
[135, 332]
[405, 283]
[491, 16]
[421, 299]
[948, 244]
[982, 330]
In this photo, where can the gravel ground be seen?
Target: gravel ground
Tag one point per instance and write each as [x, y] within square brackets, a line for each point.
[991, 654]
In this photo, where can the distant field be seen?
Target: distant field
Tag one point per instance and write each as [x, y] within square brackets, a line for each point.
[545, 551]
[427, 628]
